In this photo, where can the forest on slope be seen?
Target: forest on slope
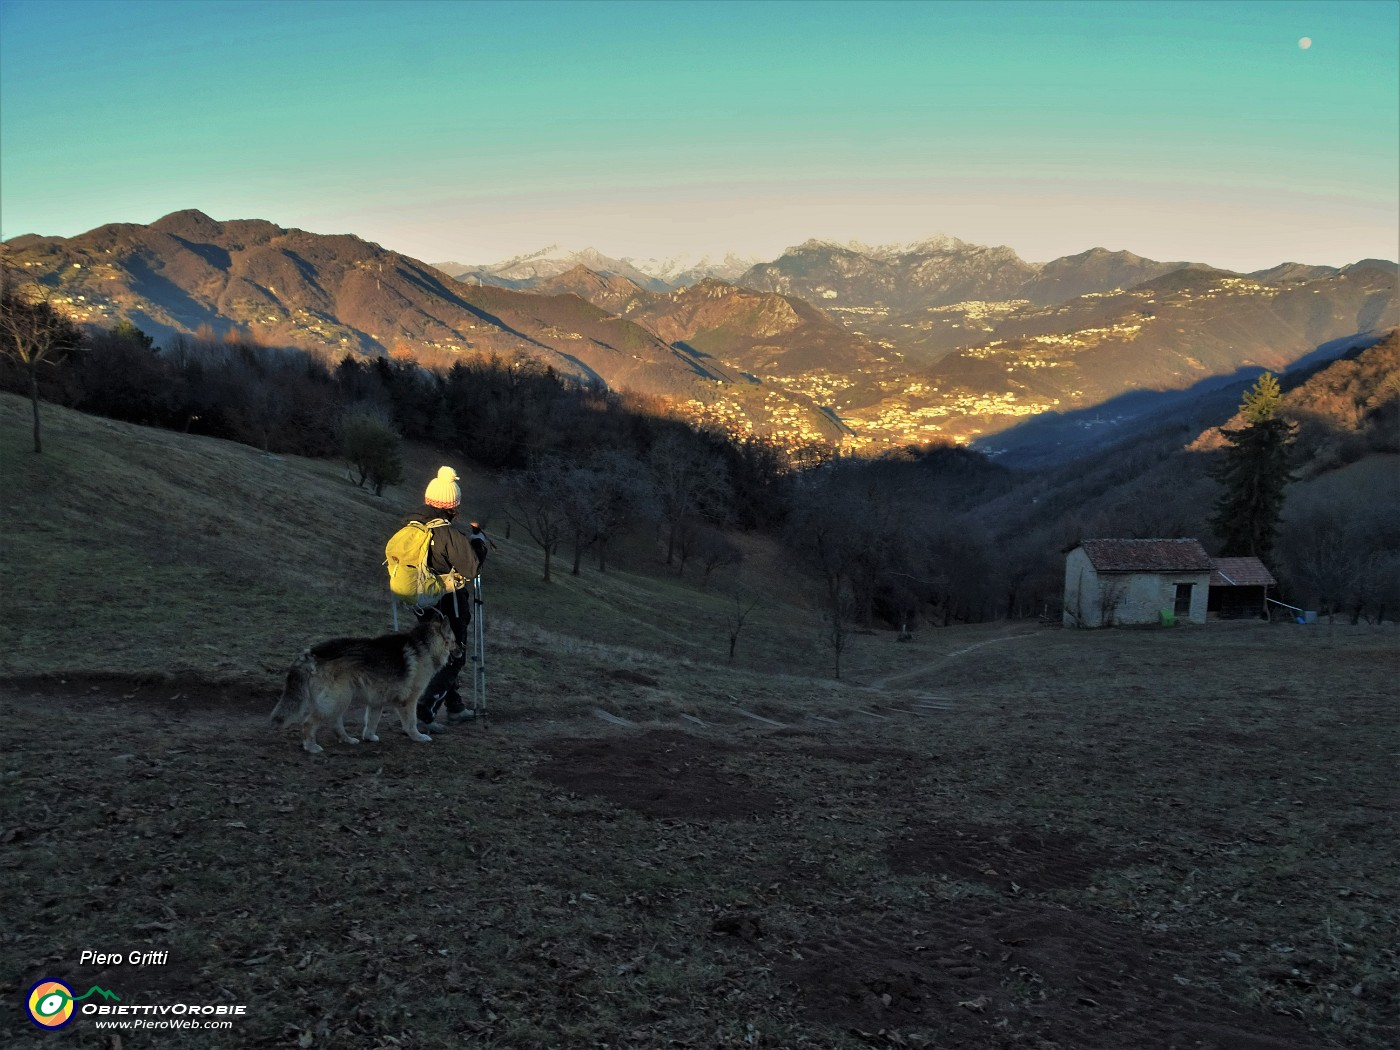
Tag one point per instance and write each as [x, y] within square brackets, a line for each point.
[932, 533]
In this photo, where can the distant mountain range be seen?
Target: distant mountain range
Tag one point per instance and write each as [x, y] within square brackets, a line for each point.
[887, 280]
[655, 275]
[875, 347]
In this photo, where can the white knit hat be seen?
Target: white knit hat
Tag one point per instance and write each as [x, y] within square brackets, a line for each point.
[443, 491]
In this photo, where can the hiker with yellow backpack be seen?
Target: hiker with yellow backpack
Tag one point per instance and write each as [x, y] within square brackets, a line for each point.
[431, 566]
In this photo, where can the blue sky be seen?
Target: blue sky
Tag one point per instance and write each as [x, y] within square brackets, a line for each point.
[477, 131]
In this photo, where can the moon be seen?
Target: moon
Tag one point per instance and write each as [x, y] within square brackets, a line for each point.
[1305, 42]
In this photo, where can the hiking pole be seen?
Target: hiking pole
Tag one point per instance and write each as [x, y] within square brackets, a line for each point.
[481, 544]
[478, 649]
[457, 619]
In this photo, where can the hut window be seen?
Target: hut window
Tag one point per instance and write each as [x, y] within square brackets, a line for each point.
[1183, 599]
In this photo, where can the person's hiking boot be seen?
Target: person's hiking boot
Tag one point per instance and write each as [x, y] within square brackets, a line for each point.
[451, 708]
[428, 714]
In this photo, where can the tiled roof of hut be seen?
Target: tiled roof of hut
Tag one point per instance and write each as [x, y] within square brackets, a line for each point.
[1241, 572]
[1147, 555]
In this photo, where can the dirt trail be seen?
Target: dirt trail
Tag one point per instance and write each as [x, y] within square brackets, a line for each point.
[893, 680]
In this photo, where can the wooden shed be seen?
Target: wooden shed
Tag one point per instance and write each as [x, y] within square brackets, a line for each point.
[1239, 588]
[1111, 583]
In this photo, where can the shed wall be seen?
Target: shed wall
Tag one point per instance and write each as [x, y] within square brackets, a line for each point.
[1094, 599]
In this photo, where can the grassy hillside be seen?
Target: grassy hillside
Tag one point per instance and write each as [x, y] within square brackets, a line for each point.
[140, 550]
[134, 550]
[998, 836]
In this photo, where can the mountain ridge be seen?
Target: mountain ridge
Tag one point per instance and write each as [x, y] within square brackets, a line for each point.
[751, 359]
[531, 269]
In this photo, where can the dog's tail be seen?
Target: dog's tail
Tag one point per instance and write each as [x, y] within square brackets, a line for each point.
[295, 702]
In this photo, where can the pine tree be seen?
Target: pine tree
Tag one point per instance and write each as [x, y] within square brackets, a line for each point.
[1254, 471]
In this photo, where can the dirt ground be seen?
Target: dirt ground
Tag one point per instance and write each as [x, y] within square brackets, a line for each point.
[1079, 842]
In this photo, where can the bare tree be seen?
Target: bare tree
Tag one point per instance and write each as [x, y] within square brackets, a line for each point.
[838, 631]
[33, 332]
[1339, 551]
[714, 551]
[627, 495]
[603, 498]
[709, 546]
[1113, 591]
[1076, 609]
[744, 604]
[581, 500]
[879, 549]
[536, 502]
[825, 527]
[688, 480]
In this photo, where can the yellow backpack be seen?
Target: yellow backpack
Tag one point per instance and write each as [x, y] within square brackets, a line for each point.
[406, 555]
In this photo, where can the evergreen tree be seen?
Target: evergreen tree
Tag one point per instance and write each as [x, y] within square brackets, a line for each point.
[1253, 471]
[374, 449]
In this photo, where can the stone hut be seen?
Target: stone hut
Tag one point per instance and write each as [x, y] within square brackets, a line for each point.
[1113, 583]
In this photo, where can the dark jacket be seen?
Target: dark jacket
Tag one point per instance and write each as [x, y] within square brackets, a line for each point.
[451, 550]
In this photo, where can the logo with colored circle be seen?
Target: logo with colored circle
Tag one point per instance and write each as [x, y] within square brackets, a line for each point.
[50, 1004]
